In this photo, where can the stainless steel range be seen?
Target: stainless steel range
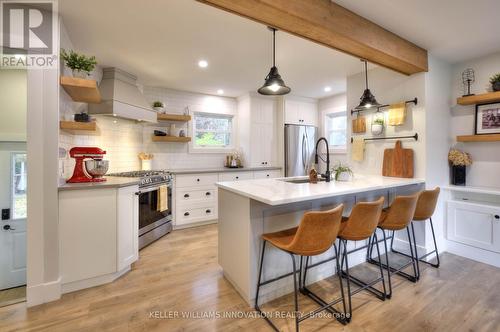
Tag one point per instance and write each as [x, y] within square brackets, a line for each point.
[155, 204]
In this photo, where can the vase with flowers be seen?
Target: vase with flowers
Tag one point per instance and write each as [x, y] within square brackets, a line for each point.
[459, 160]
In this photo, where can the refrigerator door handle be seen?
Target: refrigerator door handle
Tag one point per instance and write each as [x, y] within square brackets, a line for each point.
[303, 151]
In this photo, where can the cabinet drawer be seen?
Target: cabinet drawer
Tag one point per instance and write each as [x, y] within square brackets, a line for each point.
[186, 195]
[235, 176]
[194, 180]
[187, 215]
[267, 174]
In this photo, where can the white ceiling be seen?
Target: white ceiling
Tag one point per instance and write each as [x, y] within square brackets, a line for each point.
[162, 41]
[453, 30]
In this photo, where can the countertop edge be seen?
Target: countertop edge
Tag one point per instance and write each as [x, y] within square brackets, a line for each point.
[314, 197]
[113, 183]
[224, 170]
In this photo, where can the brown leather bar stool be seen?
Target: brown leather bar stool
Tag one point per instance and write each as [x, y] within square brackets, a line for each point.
[426, 205]
[394, 218]
[315, 234]
[359, 226]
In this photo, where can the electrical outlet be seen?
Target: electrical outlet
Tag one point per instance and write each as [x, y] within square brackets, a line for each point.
[5, 214]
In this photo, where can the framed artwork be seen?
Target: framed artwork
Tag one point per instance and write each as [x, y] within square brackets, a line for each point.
[487, 119]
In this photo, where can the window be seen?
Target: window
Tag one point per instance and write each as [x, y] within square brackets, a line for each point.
[336, 131]
[212, 131]
[19, 179]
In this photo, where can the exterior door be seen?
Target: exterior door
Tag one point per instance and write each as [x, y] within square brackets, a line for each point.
[12, 253]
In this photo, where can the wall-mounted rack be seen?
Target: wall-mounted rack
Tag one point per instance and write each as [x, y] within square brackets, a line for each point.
[415, 137]
[413, 101]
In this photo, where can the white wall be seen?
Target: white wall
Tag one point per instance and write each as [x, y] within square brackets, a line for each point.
[390, 87]
[485, 155]
[13, 101]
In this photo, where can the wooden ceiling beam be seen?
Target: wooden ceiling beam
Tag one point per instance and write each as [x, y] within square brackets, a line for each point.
[326, 23]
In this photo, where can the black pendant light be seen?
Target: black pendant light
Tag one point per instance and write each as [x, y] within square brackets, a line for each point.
[367, 100]
[274, 84]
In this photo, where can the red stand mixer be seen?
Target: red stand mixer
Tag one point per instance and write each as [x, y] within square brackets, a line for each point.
[83, 172]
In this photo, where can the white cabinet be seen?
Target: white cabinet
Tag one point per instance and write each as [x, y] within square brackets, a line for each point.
[128, 226]
[474, 224]
[271, 174]
[98, 232]
[257, 129]
[301, 112]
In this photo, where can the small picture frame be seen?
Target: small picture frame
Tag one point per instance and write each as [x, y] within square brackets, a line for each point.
[487, 119]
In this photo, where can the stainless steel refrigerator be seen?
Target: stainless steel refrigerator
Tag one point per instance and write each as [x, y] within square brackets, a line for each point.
[299, 149]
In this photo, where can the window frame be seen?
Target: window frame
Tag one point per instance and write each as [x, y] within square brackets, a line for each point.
[336, 112]
[193, 148]
[13, 183]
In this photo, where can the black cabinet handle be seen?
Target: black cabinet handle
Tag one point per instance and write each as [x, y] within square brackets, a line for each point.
[237, 177]
[267, 175]
[497, 216]
[138, 193]
[198, 180]
[208, 193]
[186, 214]
[208, 211]
[186, 195]
[8, 228]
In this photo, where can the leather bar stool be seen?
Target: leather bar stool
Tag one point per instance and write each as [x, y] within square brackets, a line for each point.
[315, 234]
[359, 226]
[426, 205]
[394, 218]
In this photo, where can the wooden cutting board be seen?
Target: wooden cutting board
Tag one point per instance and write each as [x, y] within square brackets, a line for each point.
[398, 162]
[359, 125]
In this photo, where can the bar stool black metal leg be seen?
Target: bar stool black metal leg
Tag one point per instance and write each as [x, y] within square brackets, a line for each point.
[416, 252]
[301, 262]
[413, 260]
[375, 238]
[296, 299]
[339, 275]
[260, 275]
[435, 247]
[348, 318]
[305, 272]
[387, 264]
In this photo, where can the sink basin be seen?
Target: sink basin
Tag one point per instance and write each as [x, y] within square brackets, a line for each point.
[306, 180]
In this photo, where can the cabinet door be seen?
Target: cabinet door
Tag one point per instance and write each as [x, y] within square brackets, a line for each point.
[474, 224]
[308, 113]
[128, 226]
[263, 142]
[292, 112]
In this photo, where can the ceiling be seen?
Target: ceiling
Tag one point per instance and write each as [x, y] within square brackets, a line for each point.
[162, 41]
[453, 30]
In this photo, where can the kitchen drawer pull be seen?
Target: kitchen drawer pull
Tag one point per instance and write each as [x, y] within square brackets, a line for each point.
[186, 214]
[267, 175]
[497, 216]
[208, 211]
[237, 177]
[208, 193]
[198, 180]
[186, 195]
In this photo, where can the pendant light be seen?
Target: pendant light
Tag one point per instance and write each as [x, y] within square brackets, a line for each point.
[274, 84]
[367, 100]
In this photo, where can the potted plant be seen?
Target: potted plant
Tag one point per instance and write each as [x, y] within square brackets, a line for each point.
[459, 160]
[378, 126]
[158, 106]
[80, 64]
[495, 82]
[342, 173]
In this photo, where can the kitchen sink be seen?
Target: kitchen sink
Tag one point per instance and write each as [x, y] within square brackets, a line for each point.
[295, 180]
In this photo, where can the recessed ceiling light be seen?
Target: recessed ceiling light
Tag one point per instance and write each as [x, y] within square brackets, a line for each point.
[220, 92]
[327, 89]
[202, 64]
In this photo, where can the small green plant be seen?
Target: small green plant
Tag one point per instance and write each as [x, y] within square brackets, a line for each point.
[495, 78]
[78, 62]
[339, 169]
[378, 121]
[158, 104]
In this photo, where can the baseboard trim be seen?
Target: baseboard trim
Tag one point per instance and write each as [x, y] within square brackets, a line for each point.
[43, 293]
[195, 224]
[476, 254]
[92, 282]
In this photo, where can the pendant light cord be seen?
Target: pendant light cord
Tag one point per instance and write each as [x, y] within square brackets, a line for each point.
[274, 47]
[366, 74]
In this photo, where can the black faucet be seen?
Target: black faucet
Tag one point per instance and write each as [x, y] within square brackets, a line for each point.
[316, 159]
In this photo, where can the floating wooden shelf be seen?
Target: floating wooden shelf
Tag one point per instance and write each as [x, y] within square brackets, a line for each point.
[81, 90]
[171, 139]
[483, 98]
[479, 138]
[174, 117]
[73, 126]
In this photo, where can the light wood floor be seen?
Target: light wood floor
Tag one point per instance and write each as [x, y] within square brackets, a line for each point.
[12, 295]
[180, 273]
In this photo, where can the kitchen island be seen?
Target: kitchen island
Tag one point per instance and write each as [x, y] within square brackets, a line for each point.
[247, 209]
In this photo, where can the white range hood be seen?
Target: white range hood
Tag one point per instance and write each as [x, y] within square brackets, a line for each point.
[121, 97]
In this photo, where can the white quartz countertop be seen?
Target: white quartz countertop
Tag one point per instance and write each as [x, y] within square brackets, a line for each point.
[221, 170]
[278, 192]
[111, 182]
